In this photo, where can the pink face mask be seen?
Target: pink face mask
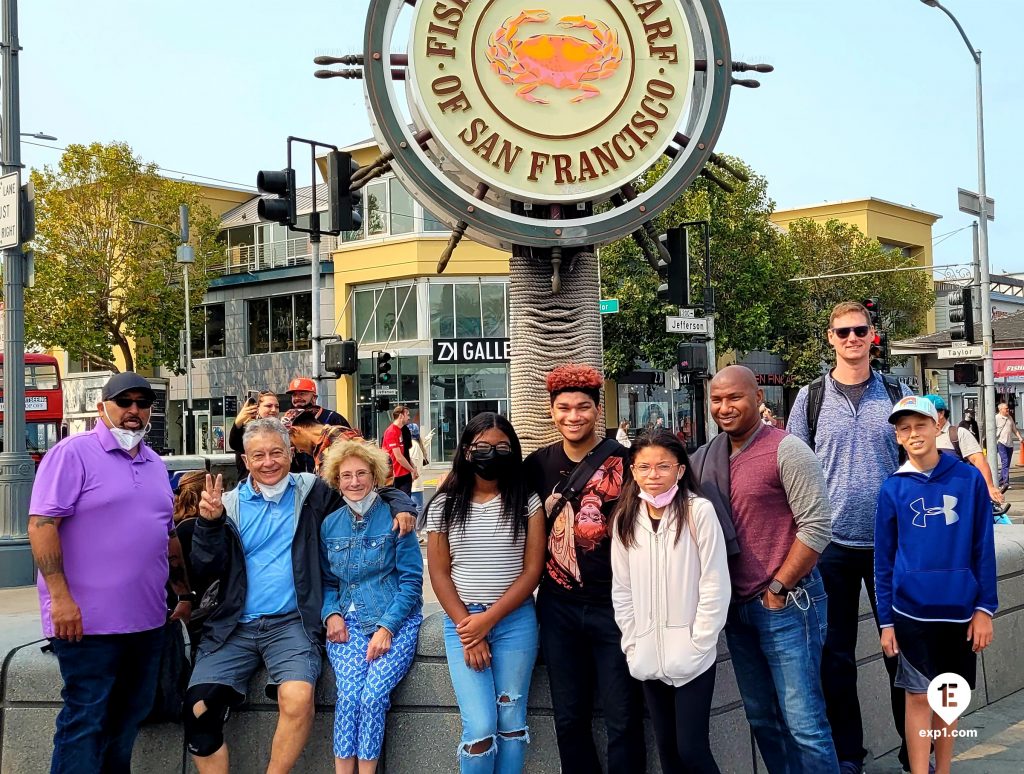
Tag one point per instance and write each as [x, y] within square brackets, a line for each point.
[660, 501]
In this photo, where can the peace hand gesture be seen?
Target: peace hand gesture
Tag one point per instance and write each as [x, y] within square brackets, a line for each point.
[210, 505]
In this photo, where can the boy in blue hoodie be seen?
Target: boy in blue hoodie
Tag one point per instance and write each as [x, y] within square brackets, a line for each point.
[935, 573]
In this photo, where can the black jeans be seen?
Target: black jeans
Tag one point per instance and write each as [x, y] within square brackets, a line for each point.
[404, 483]
[109, 685]
[582, 649]
[843, 570]
[681, 718]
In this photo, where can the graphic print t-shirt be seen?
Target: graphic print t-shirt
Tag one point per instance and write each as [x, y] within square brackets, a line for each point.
[579, 546]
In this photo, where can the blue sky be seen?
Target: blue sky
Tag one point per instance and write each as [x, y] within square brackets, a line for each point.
[869, 97]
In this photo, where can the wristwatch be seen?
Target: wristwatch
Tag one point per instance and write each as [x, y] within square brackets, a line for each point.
[776, 588]
[190, 598]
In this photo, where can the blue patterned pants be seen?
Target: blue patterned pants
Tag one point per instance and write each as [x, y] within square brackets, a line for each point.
[364, 689]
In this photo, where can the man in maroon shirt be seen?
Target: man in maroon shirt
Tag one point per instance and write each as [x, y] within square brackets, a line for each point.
[775, 490]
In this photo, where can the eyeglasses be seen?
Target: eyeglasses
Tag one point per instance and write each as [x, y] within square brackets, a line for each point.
[348, 478]
[142, 403]
[484, 449]
[860, 331]
[663, 469]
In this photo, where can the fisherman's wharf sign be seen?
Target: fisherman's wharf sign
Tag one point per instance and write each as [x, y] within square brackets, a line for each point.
[551, 101]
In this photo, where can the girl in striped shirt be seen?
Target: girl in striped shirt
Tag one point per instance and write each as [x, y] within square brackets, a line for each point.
[485, 552]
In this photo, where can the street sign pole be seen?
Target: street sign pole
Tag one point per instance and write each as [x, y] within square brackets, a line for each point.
[16, 467]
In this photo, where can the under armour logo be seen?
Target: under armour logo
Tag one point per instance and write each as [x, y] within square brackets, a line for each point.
[921, 513]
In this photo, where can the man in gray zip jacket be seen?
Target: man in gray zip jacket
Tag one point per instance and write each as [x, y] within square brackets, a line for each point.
[261, 541]
[857, 449]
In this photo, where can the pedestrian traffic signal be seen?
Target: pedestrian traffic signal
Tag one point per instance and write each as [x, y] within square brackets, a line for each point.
[340, 357]
[965, 373]
[344, 205]
[280, 183]
[961, 314]
[692, 357]
[874, 312]
[880, 352]
[383, 368]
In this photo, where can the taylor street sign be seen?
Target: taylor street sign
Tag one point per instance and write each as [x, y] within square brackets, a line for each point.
[967, 352]
[10, 195]
[462, 351]
[970, 203]
[609, 306]
[686, 324]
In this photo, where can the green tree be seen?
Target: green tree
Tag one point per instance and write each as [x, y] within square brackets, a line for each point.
[838, 248]
[750, 263]
[104, 284]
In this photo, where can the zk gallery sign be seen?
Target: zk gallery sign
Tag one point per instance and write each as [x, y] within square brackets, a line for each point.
[555, 100]
[466, 351]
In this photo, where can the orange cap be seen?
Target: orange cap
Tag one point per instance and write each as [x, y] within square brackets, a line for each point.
[301, 384]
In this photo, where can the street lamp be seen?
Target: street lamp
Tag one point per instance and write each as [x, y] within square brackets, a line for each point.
[185, 256]
[983, 268]
[38, 136]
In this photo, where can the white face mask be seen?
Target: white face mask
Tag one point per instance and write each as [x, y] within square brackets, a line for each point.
[126, 439]
[274, 492]
[360, 507]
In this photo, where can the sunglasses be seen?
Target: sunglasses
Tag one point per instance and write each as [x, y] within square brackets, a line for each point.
[142, 403]
[860, 331]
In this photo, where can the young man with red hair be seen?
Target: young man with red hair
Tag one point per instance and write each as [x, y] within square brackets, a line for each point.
[579, 480]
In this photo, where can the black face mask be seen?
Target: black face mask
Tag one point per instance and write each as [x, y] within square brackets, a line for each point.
[491, 467]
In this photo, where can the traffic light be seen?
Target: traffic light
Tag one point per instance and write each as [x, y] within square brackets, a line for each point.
[965, 373]
[874, 312]
[280, 183]
[340, 357]
[676, 290]
[344, 205]
[692, 357]
[880, 352]
[384, 368]
[961, 313]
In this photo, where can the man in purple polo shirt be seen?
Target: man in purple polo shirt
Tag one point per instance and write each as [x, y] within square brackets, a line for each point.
[102, 536]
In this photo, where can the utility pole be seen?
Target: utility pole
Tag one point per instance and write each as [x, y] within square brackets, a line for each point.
[314, 238]
[16, 467]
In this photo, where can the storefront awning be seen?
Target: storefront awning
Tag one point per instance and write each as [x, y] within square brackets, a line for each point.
[1009, 363]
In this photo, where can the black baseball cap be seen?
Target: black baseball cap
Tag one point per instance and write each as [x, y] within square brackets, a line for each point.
[123, 382]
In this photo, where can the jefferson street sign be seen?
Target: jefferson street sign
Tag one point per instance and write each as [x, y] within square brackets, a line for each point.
[969, 352]
[686, 325]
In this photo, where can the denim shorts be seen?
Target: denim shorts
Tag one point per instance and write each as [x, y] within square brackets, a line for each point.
[279, 642]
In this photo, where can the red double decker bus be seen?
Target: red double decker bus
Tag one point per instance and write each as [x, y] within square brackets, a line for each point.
[44, 404]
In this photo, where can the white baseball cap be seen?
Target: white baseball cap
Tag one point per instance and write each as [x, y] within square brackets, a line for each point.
[914, 404]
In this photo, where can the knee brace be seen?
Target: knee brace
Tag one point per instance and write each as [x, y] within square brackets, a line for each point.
[204, 735]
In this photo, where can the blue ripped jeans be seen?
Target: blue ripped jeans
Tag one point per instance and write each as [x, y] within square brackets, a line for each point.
[492, 703]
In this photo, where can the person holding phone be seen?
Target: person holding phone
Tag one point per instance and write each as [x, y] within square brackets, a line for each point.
[259, 405]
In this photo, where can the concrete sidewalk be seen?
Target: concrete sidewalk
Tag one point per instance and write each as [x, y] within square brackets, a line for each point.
[999, 748]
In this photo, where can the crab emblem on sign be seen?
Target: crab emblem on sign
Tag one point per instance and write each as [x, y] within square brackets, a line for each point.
[559, 61]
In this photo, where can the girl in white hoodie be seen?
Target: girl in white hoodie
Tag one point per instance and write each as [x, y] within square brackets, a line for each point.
[670, 592]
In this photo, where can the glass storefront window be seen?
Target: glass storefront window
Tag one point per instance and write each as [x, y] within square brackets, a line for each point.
[363, 315]
[258, 315]
[281, 324]
[304, 321]
[379, 326]
[402, 208]
[457, 394]
[492, 299]
[376, 207]
[405, 299]
[467, 306]
[442, 311]
[385, 314]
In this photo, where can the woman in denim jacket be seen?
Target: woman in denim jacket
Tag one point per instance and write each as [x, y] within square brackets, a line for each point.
[373, 598]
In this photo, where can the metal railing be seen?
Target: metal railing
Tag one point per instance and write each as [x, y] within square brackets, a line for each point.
[248, 259]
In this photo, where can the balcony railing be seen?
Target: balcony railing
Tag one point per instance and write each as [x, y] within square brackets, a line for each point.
[248, 259]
